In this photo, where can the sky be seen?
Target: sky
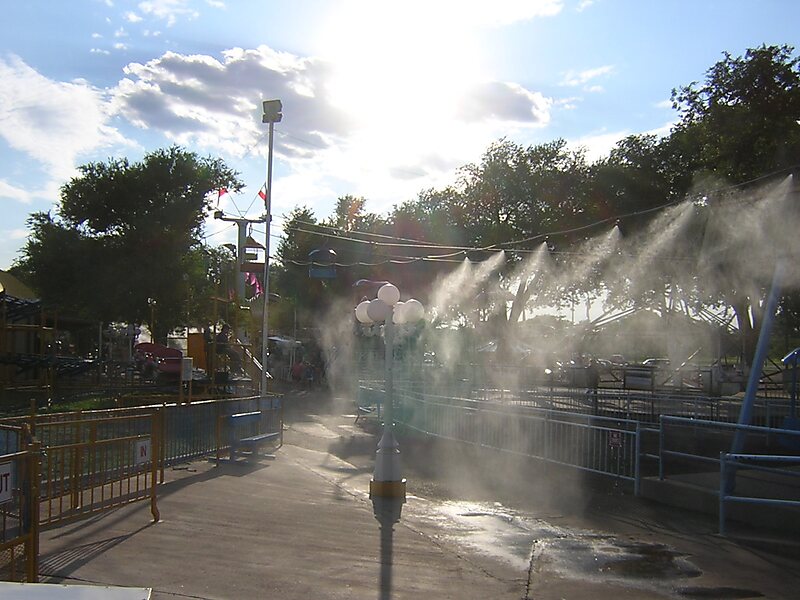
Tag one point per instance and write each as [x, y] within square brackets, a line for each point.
[380, 99]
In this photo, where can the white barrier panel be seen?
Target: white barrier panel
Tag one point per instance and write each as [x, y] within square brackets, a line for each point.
[57, 591]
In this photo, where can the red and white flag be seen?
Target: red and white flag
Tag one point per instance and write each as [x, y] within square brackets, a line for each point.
[221, 193]
[262, 193]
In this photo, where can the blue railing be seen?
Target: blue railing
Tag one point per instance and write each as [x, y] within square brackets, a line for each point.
[728, 464]
[601, 445]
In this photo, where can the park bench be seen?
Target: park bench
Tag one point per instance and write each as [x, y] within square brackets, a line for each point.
[368, 402]
[241, 438]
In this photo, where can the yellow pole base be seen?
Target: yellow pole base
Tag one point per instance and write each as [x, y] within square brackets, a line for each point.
[387, 489]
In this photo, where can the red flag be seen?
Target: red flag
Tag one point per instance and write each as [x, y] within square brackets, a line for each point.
[262, 193]
[222, 192]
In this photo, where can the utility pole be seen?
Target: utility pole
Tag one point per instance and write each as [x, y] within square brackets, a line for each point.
[242, 224]
[272, 114]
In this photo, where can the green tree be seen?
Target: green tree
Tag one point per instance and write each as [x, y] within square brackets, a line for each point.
[740, 125]
[125, 233]
[743, 122]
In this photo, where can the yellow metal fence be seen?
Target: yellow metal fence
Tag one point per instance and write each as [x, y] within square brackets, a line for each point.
[91, 465]
[19, 517]
[68, 466]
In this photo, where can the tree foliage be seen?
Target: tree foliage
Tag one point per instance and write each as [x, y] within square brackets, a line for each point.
[743, 122]
[125, 233]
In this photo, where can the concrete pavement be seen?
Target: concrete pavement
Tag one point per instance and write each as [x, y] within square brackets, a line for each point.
[302, 526]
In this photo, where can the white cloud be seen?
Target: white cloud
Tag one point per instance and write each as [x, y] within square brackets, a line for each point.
[216, 4]
[148, 33]
[14, 193]
[168, 10]
[98, 51]
[18, 234]
[569, 103]
[583, 5]
[664, 104]
[132, 17]
[576, 78]
[505, 102]
[598, 145]
[50, 121]
[215, 104]
[96, 36]
[664, 130]
[120, 46]
[120, 33]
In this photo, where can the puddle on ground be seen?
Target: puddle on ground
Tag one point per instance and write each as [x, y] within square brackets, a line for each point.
[496, 531]
[599, 555]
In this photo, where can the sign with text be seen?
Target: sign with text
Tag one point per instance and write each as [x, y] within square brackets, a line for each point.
[142, 450]
[6, 482]
[615, 439]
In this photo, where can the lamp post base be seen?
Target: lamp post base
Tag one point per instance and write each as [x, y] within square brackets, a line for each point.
[387, 489]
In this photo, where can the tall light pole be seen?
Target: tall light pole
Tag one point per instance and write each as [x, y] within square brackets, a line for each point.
[387, 308]
[271, 114]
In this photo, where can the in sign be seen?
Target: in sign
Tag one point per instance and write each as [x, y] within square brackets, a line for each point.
[6, 482]
[142, 451]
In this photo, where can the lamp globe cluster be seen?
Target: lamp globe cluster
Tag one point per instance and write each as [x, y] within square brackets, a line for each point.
[387, 305]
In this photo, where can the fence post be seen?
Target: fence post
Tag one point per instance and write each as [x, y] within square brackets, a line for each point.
[162, 435]
[280, 420]
[723, 457]
[32, 566]
[637, 475]
[661, 448]
[217, 426]
[155, 459]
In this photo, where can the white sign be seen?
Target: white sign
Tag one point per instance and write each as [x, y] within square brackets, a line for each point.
[142, 450]
[47, 591]
[6, 482]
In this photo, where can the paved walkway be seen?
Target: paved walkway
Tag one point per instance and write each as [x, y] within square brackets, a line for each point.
[301, 526]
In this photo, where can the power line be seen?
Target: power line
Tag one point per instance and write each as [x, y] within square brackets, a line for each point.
[224, 229]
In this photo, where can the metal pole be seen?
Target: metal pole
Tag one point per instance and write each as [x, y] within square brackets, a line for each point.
[637, 465]
[267, 221]
[793, 404]
[756, 369]
[387, 480]
[723, 475]
[242, 242]
[757, 366]
[388, 423]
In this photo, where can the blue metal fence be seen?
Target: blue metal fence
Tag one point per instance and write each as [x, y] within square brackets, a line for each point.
[596, 444]
[754, 462]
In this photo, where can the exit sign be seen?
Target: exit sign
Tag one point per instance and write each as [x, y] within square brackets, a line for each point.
[6, 482]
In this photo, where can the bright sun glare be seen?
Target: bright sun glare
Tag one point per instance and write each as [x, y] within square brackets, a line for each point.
[400, 74]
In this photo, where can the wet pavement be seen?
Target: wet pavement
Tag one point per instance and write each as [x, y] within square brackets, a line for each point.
[302, 526]
[610, 545]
